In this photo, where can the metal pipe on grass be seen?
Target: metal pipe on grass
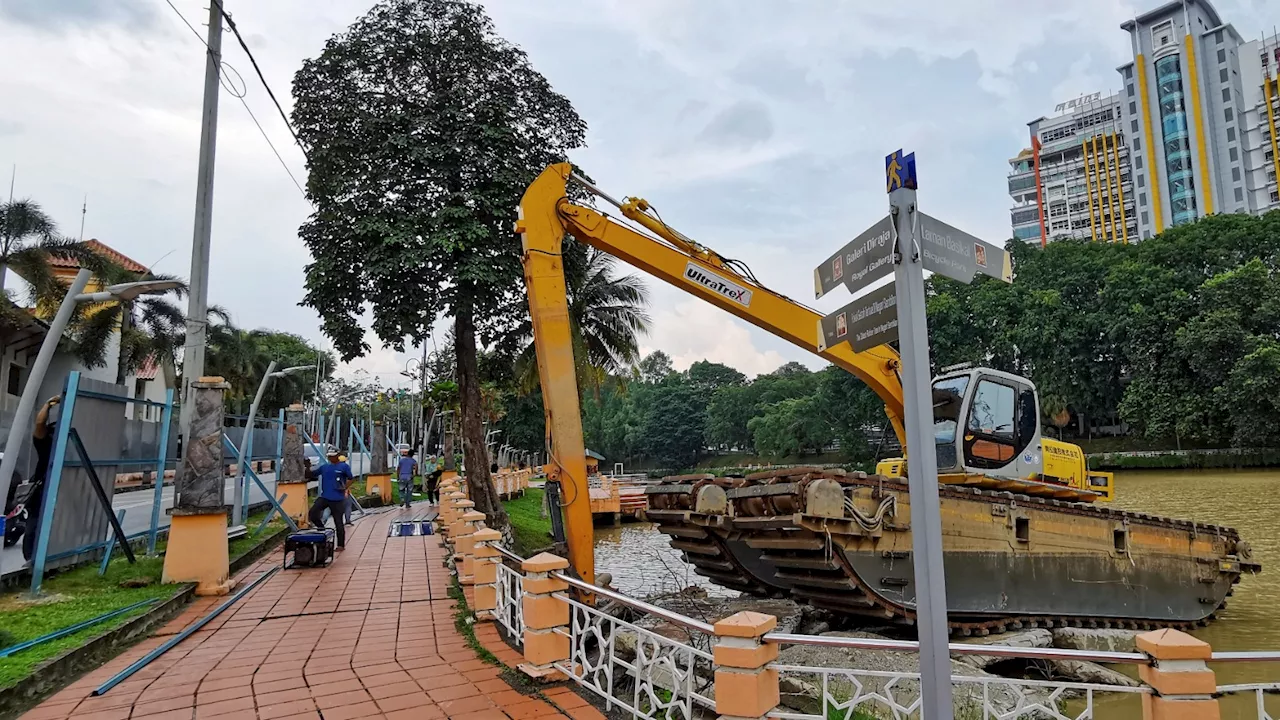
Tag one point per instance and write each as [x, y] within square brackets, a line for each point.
[12, 649]
[125, 674]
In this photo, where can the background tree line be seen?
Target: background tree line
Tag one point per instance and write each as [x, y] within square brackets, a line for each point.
[1178, 335]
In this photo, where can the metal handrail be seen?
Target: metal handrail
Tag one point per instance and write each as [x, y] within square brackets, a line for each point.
[669, 615]
[1246, 656]
[959, 648]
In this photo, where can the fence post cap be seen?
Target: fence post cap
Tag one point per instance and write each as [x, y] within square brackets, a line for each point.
[746, 624]
[486, 535]
[465, 504]
[544, 562]
[472, 516]
[1171, 644]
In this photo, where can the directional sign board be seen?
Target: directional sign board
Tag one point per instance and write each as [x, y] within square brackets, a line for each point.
[959, 255]
[867, 322]
[863, 260]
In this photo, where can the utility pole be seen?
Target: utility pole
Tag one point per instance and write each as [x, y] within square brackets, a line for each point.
[198, 299]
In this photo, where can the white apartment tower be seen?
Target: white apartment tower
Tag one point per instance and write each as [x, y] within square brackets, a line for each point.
[1195, 126]
[1075, 180]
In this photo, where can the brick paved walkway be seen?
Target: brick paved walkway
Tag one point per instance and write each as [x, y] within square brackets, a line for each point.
[371, 636]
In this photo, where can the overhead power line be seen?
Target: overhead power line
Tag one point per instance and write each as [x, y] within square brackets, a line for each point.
[240, 93]
[262, 78]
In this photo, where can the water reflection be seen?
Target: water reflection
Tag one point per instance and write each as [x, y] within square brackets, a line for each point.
[643, 563]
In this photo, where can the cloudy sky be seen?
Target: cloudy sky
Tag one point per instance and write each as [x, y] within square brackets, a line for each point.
[758, 127]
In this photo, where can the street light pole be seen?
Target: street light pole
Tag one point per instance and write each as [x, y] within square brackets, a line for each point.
[31, 393]
[198, 297]
[238, 508]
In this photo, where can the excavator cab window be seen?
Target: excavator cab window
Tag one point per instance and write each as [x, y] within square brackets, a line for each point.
[991, 437]
[948, 400]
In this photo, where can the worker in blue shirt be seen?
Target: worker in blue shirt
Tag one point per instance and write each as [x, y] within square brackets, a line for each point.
[333, 476]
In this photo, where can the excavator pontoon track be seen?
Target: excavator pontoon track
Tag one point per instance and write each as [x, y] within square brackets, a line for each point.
[757, 540]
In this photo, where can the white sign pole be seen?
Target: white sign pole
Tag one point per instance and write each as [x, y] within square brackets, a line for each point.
[922, 463]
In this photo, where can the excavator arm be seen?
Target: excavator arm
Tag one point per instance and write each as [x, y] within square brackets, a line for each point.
[546, 215]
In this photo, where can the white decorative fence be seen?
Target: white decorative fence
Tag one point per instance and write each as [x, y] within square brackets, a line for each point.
[638, 670]
[843, 694]
[510, 609]
[668, 673]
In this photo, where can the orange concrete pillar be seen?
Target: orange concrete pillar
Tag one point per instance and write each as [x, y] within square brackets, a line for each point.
[1183, 683]
[546, 617]
[460, 509]
[448, 515]
[484, 571]
[745, 686]
[449, 510]
[197, 550]
[464, 546]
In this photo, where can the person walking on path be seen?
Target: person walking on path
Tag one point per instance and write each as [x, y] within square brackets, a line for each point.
[431, 472]
[406, 469]
[333, 476]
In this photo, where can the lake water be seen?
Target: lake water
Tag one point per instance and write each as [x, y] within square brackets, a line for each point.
[642, 563]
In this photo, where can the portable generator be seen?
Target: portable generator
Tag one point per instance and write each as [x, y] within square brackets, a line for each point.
[309, 548]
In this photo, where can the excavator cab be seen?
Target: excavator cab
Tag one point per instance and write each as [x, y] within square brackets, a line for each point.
[987, 422]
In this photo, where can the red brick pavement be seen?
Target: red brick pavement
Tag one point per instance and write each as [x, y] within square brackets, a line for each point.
[371, 636]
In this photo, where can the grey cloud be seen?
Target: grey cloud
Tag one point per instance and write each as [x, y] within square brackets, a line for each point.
[742, 125]
[778, 77]
[60, 15]
[10, 127]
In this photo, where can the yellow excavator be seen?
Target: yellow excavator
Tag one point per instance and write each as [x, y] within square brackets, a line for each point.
[746, 533]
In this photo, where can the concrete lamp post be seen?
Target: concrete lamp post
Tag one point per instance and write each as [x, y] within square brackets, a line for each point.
[238, 509]
[21, 427]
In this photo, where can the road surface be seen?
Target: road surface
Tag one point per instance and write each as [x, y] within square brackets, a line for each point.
[137, 506]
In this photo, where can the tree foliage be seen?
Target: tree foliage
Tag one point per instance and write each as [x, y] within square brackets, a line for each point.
[1175, 335]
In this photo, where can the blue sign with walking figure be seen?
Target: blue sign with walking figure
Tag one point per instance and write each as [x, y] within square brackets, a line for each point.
[899, 171]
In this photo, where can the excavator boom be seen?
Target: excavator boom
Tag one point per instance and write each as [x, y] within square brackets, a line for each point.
[546, 215]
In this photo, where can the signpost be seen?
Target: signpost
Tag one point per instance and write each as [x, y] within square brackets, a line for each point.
[910, 242]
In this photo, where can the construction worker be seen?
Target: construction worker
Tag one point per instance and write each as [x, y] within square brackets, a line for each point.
[406, 468]
[334, 476]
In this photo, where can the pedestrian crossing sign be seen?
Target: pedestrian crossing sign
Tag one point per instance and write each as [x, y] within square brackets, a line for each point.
[899, 171]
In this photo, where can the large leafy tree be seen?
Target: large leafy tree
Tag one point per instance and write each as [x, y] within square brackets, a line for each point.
[423, 128]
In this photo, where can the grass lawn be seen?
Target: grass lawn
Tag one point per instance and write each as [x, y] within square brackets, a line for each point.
[529, 529]
[80, 594]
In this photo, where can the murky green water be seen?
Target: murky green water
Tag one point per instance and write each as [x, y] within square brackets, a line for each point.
[642, 563]
[1249, 501]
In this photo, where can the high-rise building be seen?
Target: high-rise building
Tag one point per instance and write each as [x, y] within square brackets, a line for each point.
[1075, 180]
[1200, 117]
[1196, 126]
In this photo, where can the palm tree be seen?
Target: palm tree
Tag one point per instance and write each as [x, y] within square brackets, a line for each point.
[28, 241]
[237, 356]
[152, 328]
[29, 238]
[606, 317]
